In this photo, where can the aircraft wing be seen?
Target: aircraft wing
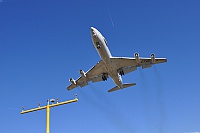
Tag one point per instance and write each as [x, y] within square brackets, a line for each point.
[94, 74]
[126, 65]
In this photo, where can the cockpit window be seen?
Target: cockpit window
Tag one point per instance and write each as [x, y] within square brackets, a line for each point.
[105, 42]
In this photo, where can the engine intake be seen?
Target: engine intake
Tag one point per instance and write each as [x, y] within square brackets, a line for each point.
[153, 58]
[72, 81]
[82, 73]
[137, 57]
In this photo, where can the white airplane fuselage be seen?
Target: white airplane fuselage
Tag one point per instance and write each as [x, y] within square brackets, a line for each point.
[100, 44]
[110, 66]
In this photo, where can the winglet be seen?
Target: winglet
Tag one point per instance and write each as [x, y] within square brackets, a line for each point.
[124, 86]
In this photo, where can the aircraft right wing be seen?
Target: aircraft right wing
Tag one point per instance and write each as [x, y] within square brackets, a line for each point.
[125, 65]
[95, 74]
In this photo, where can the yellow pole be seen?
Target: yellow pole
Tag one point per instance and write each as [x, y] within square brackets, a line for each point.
[47, 107]
[48, 119]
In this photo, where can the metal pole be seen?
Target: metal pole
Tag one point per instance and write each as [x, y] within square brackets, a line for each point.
[48, 119]
[47, 107]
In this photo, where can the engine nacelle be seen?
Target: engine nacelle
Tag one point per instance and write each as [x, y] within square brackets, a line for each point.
[82, 73]
[137, 57]
[153, 58]
[72, 81]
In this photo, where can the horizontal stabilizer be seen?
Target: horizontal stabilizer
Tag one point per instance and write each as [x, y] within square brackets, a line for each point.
[114, 89]
[128, 85]
[124, 86]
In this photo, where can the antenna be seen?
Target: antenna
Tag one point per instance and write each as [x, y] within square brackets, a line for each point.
[38, 105]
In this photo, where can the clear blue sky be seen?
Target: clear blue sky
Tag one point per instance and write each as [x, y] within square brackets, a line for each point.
[43, 43]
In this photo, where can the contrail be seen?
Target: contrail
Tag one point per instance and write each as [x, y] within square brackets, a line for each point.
[108, 108]
[160, 100]
[110, 15]
[146, 99]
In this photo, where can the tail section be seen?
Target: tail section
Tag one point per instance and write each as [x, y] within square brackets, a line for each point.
[124, 86]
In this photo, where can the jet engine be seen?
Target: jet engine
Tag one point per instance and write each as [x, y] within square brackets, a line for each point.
[153, 58]
[137, 57]
[72, 81]
[82, 73]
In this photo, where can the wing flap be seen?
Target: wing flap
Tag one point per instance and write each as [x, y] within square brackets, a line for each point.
[146, 66]
[128, 69]
[83, 84]
[97, 79]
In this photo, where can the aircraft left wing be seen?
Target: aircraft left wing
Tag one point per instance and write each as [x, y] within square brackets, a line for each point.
[95, 74]
[125, 65]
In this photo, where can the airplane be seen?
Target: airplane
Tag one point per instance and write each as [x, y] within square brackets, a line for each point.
[110, 66]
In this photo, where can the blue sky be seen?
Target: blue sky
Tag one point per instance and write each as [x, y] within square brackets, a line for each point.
[44, 43]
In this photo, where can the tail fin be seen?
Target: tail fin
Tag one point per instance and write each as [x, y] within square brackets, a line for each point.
[124, 86]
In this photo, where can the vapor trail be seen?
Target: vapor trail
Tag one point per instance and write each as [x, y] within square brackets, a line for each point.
[146, 99]
[110, 15]
[109, 109]
[159, 89]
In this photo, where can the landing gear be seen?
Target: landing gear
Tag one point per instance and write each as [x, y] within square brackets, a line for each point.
[104, 78]
[98, 46]
[121, 72]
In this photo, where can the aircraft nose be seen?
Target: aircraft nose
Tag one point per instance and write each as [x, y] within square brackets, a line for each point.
[92, 28]
[93, 31]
